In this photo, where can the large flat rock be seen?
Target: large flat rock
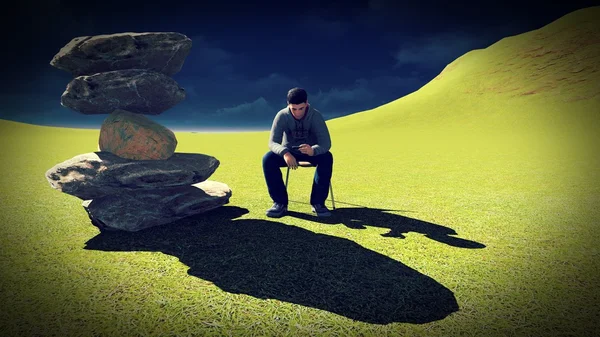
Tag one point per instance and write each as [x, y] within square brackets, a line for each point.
[140, 209]
[164, 52]
[134, 90]
[96, 174]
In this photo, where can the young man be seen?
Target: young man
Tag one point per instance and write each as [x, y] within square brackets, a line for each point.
[298, 133]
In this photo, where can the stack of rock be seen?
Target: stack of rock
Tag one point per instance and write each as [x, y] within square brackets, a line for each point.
[135, 180]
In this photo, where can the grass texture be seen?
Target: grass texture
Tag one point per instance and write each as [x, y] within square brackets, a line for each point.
[468, 208]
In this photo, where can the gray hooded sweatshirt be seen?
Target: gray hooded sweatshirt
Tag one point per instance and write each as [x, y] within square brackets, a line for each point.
[287, 131]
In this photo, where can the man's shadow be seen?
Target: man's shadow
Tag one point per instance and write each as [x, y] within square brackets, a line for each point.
[273, 260]
[359, 217]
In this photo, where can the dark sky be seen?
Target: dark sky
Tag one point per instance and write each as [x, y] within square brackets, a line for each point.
[349, 55]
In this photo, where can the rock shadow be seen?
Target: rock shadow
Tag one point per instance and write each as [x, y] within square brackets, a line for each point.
[273, 260]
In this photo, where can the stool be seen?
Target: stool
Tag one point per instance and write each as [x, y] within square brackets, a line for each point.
[309, 164]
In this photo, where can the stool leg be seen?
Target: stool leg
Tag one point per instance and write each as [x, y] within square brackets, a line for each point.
[331, 191]
[286, 177]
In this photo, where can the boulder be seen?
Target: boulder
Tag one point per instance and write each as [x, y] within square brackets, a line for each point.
[140, 209]
[96, 174]
[134, 90]
[164, 52]
[135, 136]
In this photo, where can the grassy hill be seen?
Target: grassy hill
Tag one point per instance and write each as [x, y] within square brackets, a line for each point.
[469, 207]
[528, 77]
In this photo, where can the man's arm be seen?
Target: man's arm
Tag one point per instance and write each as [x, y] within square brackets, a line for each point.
[276, 136]
[322, 134]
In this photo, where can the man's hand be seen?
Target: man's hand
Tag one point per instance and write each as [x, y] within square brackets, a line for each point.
[307, 149]
[290, 160]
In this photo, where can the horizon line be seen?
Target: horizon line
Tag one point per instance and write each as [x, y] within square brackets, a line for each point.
[207, 129]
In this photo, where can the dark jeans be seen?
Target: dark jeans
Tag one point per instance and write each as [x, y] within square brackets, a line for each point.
[320, 188]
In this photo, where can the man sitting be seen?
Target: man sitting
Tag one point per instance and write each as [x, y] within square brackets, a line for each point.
[298, 133]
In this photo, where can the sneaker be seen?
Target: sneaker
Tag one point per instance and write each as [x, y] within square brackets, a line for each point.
[321, 210]
[277, 211]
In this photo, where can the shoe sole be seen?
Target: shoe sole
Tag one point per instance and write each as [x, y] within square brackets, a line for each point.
[276, 215]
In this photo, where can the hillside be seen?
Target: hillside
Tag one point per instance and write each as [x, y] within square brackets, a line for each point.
[551, 69]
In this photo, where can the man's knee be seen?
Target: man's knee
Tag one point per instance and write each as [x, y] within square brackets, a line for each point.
[270, 159]
[326, 158]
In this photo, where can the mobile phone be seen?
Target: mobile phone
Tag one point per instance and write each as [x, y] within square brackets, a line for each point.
[295, 147]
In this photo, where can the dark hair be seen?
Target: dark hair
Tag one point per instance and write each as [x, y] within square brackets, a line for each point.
[297, 96]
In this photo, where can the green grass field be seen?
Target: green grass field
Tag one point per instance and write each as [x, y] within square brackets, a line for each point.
[468, 208]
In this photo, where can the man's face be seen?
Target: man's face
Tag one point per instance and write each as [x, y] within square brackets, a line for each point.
[298, 110]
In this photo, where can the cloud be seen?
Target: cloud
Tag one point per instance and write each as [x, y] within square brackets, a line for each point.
[336, 96]
[235, 99]
[436, 50]
[215, 74]
[258, 110]
[208, 53]
[208, 59]
[364, 94]
[235, 88]
[273, 82]
[333, 102]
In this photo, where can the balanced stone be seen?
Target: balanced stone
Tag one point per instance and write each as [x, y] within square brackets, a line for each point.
[136, 210]
[164, 52]
[96, 174]
[134, 90]
[135, 136]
